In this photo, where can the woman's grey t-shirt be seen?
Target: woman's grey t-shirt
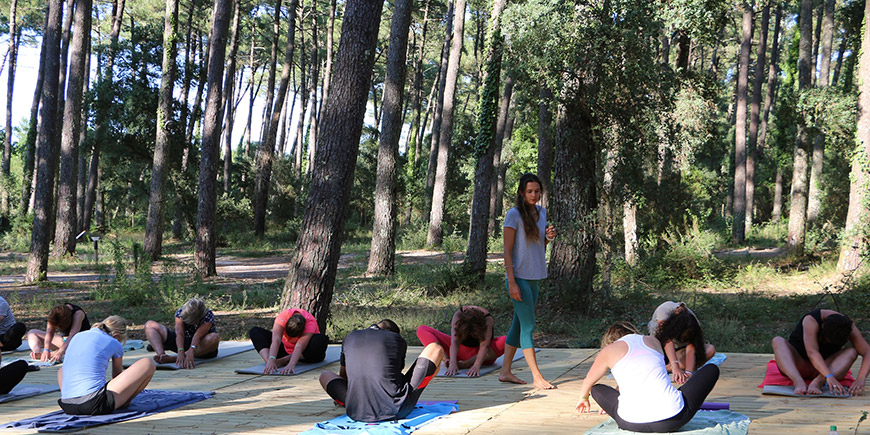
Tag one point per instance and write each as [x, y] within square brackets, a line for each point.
[528, 256]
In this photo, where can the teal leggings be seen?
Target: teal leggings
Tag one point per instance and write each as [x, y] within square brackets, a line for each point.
[523, 324]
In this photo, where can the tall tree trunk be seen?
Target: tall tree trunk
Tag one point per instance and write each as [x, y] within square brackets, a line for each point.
[413, 144]
[797, 216]
[854, 244]
[165, 114]
[65, 235]
[503, 114]
[739, 201]
[439, 104]
[5, 166]
[300, 124]
[105, 94]
[777, 195]
[772, 74]
[436, 232]
[83, 134]
[606, 217]
[253, 93]
[314, 263]
[264, 162]
[502, 170]
[572, 257]
[814, 204]
[196, 113]
[816, 41]
[485, 144]
[30, 139]
[273, 73]
[629, 231]
[844, 43]
[755, 116]
[312, 87]
[206, 237]
[229, 96]
[383, 250]
[330, 44]
[46, 160]
[683, 49]
[545, 143]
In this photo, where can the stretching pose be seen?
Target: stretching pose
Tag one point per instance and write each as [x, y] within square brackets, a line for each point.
[814, 350]
[295, 337]
[11, 332]
[679, 331]
[646, 400]
[470, 341]
[68, 320]
[371, 383]
[82, 379]
[526, 235]
[195, 335]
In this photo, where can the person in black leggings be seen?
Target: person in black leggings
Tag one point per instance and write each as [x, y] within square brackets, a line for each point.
[11, 375]
[646, 400]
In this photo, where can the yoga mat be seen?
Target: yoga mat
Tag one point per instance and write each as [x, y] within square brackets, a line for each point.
[483, 369]
[773, 377]
[333, 354]
[23, 391]
[225, 349]
[717, 359]
[424, 413]
[703, 423]
[788, 390]
[23, 348]
[131, 345]
[714, 406]
[148, 402]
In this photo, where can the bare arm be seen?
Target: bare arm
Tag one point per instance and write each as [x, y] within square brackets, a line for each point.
[509, 237]
[453, 366]
[301, 344]
[117, 366]
[863, 349]
[603, 362]
[811, 344]
[272, 361]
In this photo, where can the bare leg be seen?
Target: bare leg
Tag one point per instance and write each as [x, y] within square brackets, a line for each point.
[505, 375]
[539, 381]
[433, 352]
[208, 344]
[787, 360]
[131, 381]
[156, 335]
[709, 351]
[60, 377]
[839, 363]
[35, 339]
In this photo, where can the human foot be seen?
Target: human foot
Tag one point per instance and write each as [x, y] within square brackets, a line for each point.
[542, 384]
[814, 388]
[510, 377]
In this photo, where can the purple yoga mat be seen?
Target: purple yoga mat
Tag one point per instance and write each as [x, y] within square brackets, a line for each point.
[713, 406]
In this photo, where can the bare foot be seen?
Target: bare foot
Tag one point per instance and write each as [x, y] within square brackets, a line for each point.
[542, 384]
[800, 390]
[510, 377]
[814, 389]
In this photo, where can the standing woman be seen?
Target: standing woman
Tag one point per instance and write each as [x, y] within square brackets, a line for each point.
[526, 235]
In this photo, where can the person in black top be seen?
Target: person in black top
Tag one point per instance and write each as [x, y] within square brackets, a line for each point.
[371, 383]
[64, 321]
[814, 350]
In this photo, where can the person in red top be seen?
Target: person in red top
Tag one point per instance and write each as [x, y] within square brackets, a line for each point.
[295, 337]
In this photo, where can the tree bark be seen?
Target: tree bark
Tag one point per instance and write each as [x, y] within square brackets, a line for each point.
[83, 134]
[777, 195]
[485, 146]
[105, 96]
[835, 80]
[65, 234]
[606, 217]
[383, 249]
[30, 140]
[196, 113]
[206, 237]
[311, 279]
[229, 96]
[797, 217]
[755, 116]
[330, 44]
[436, 231]
[854, 244]
[629, 231]
[772, 74]
[439, 104]
[545, 143]
[494, 196]
[46, 160]
[413, 144]
[165, 113]
[816, 41]
[5, 166]
[264, 162]
[814, 204]
[312, 88]
[739, 201]
[300, 123]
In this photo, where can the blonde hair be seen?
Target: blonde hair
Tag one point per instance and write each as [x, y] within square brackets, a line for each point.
[193, 311]
[115, 326]
[617, 331]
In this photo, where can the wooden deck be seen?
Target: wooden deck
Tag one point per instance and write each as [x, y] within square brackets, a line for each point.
[282, 405]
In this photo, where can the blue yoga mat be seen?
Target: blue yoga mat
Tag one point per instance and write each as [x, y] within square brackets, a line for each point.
[148, 402]
[424, 413]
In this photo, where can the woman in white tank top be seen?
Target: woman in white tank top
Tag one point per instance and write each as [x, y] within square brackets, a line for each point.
[646, 400]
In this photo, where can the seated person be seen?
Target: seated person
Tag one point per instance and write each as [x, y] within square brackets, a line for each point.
[11, 332]
[686, 350]
[11, 375]
[82, 379]
[646, 401]
[470, 341]
[67, 319]
[295, 336]
[814, 350]
[371, 383]
[194, 336]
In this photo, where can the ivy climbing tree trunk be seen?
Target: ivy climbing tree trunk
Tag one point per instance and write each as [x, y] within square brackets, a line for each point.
[157, 200]
[314, 263]
[382, 256]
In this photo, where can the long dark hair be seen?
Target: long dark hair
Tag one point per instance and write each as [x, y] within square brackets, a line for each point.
[530, 217]
[471, 323]
[684, 327]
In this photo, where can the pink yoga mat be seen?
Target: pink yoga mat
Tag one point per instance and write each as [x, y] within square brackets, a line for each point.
[774, 377]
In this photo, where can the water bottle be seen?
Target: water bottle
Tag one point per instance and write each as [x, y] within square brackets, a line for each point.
[833, 431]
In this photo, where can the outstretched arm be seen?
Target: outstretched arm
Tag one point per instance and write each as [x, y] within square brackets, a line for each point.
[74, 329]
[297, 353]
[474, 370]
[272, 362]
[453, 366]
